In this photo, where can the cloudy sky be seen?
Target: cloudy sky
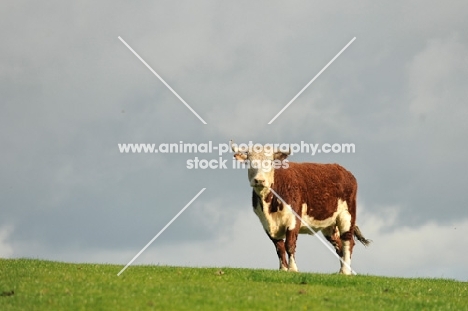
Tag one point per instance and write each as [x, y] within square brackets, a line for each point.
[70, 91]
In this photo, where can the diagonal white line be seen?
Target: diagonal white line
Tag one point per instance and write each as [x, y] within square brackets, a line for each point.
[313, 231]
[162, 230]
[316, 76]
[162, 80]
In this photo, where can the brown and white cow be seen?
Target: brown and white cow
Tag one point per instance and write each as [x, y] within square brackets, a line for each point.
[323, 195]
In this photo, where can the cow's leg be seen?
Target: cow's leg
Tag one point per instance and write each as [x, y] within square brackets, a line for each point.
[281, 252]
[332, 235]
[345, 226]
[291, 239]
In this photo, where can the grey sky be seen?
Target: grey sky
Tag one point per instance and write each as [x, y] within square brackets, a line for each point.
[70, 91]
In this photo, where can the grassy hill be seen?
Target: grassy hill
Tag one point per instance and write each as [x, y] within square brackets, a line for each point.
[44, 285]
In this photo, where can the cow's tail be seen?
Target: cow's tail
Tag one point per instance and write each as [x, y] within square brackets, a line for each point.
[358, 235]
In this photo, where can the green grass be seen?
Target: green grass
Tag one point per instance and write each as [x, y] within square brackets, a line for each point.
[27, 284]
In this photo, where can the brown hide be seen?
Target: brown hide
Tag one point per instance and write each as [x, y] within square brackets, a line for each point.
[318, 185]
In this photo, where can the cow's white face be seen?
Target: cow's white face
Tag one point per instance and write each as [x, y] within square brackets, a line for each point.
[261, 166]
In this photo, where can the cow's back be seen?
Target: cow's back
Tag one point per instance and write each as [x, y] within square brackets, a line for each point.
[317, 185]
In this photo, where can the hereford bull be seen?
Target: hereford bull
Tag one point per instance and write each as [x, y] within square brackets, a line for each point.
[323, 195]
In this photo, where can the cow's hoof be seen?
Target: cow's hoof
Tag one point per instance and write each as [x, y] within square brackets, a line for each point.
[283, 268]
[293, 270]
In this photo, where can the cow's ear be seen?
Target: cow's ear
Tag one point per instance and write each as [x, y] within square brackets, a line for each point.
[241, 157]
[280, 155]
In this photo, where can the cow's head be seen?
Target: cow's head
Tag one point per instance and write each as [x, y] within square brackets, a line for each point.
[261, 163]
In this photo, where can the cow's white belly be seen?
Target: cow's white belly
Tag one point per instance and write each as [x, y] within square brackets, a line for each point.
[276, 224]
